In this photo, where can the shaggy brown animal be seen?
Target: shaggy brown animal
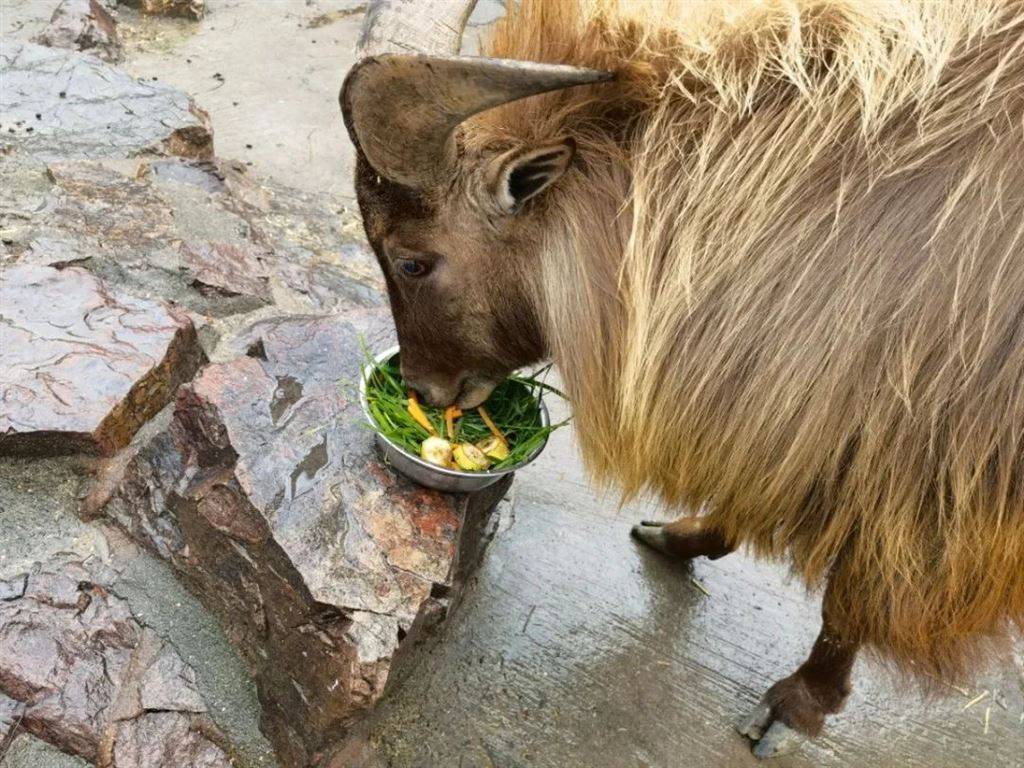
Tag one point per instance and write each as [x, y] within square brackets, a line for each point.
[783, 280]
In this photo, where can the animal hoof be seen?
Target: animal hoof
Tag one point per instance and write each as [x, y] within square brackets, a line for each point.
[754, 724]
[651, 534]
[779, 739]
[771, 737]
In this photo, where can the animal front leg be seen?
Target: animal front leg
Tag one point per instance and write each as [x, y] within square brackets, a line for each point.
[795, 707]
[684, 538]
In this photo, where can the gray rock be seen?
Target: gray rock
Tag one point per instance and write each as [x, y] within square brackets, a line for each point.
[10, 721]
[204, 175]
[81, 366]
[228, 269]
[185, 231]
[163, 739]
[87, 678]
[59, 104]
[267, 495]
[13, 589]
[82, 25]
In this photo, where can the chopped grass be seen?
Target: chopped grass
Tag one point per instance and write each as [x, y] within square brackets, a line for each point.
[512, 406]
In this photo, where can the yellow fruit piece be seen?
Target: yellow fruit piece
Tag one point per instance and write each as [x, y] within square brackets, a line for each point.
[436, 450]
[494, 448]
[451, 413]
[469, 457]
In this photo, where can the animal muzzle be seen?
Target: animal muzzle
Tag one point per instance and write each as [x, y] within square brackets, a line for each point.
[474, 392]
[465, 390]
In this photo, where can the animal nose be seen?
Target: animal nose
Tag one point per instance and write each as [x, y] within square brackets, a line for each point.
[437, 390]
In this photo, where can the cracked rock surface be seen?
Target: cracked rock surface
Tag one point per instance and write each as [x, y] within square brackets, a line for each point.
[78, 671]
[266, 495]
[83, 367]
[288, 578]
[57, 104]
[82, 25]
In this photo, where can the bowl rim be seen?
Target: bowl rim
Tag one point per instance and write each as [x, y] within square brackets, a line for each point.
[387, 354]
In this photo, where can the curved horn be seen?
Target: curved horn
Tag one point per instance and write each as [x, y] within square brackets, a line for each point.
[401, 111]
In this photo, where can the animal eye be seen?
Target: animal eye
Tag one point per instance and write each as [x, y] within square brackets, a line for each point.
[413, 267]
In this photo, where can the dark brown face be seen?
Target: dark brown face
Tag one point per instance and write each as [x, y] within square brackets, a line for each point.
[459, 266]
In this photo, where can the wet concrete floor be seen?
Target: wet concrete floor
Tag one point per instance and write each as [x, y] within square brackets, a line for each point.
[574, 647]
[577, 647]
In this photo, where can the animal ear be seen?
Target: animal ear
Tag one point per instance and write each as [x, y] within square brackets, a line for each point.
[524, 174]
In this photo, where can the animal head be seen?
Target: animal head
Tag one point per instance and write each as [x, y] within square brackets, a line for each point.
[455, 227]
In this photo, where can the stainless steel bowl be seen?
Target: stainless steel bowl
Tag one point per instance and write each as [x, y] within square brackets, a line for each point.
[431, 475]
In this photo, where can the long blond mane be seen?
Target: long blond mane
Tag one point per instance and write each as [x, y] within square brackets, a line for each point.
[787, 281]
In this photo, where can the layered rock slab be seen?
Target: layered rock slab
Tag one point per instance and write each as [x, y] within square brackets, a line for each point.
[60, 104]
[40, 534]
[78, 671]
[267, 496]
[82, 367]
[181, 229]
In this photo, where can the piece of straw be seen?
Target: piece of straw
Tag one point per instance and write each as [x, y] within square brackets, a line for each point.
[980, 697]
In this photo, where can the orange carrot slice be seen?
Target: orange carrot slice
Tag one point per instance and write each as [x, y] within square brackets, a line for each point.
[418, 415]
[451, 413]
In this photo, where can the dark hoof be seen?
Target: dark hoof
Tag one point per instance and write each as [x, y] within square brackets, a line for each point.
[771, 737]
[651, 534]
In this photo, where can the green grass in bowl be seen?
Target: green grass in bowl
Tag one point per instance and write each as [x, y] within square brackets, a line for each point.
[513, 406]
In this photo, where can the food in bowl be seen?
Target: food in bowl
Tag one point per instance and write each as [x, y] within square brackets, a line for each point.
[506, 431]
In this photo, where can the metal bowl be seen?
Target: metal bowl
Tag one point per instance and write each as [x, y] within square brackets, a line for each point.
[431, 475]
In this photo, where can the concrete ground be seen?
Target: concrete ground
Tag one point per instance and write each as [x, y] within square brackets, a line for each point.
[577, 647]
[574, 647]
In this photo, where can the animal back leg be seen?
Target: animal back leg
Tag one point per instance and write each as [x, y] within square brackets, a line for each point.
[795, 707]
[684, 538]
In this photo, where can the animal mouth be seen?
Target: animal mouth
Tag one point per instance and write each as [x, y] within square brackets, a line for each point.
[473, 393]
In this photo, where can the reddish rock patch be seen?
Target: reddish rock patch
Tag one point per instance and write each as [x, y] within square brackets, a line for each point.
[83, 367]
[82, 25]
[79, 672]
